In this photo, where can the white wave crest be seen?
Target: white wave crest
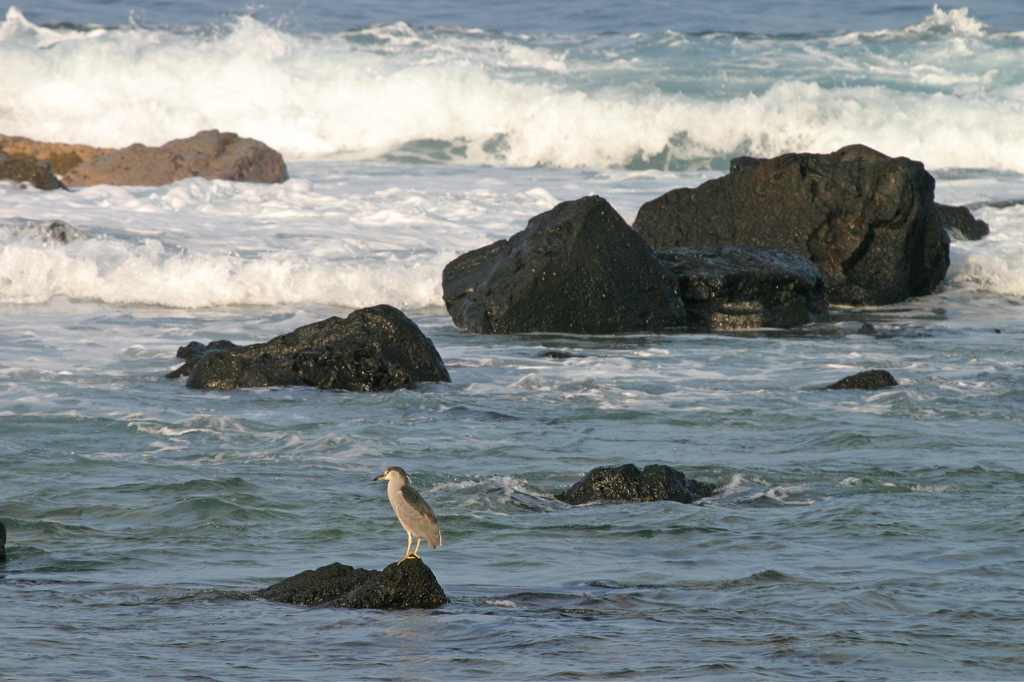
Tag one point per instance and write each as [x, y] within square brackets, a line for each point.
[994, 263]
[148, 272]
[938, 23]
[463, 96]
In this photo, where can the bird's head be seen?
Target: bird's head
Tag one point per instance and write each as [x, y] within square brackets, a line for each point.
[394, 473]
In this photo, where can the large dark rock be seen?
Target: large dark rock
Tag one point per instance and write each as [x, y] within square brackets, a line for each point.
[627, 483]
[36, 173]
[737, 287]
[210, 154]
[866, 220]
[577, 268]
[407, 584]
[373, 349]
[870, 380]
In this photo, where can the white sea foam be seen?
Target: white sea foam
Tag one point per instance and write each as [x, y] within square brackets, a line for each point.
[994, 263]
[939, 23]
[148, 272]
[780, 494]
[349, 241]
[456, 95]
[198, 243]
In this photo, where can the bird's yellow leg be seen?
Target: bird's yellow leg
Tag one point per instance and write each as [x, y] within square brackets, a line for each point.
[409, 554]
[416, 552]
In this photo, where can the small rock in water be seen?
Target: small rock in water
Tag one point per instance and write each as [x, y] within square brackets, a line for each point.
[557, 355]
[871, 380]
[627, 483]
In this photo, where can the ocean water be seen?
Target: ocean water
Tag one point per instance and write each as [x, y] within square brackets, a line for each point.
[870, 536]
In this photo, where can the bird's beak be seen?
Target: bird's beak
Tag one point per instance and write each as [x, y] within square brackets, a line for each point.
[381, 477]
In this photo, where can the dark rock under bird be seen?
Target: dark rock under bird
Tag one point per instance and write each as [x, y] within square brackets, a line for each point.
[407, 584]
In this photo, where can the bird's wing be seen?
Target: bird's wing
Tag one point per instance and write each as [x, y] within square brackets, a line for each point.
[417, 502]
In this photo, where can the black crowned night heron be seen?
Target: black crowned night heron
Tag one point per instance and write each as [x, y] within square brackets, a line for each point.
[412, 511]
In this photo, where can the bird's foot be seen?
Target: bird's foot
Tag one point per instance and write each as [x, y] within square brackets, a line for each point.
[411, 555]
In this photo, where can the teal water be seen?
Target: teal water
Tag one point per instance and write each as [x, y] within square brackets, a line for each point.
[867, 534]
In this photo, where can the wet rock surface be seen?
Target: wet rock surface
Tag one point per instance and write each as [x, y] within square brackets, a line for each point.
[627, 483]
[210, 154]
[408, 584]
[578, 268]
[868, 221]
[870, 380]
[737, 287]
[373, 349]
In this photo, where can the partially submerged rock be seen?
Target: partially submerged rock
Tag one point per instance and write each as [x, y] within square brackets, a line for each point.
[871, 380]
[408, 584]
[36, 173]
[868, 221]
[557, 355]
[46, 231]
[959, 223]
[578, 268]
[210, 154]
[373, 349]
[739, 287]
[61, 157]
[627, 483]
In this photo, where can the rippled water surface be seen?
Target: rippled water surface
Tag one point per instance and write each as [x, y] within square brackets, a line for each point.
[874, 534]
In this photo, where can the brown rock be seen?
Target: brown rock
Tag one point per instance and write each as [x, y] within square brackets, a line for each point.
[34, 172]
[210, 154]
[62, 157]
